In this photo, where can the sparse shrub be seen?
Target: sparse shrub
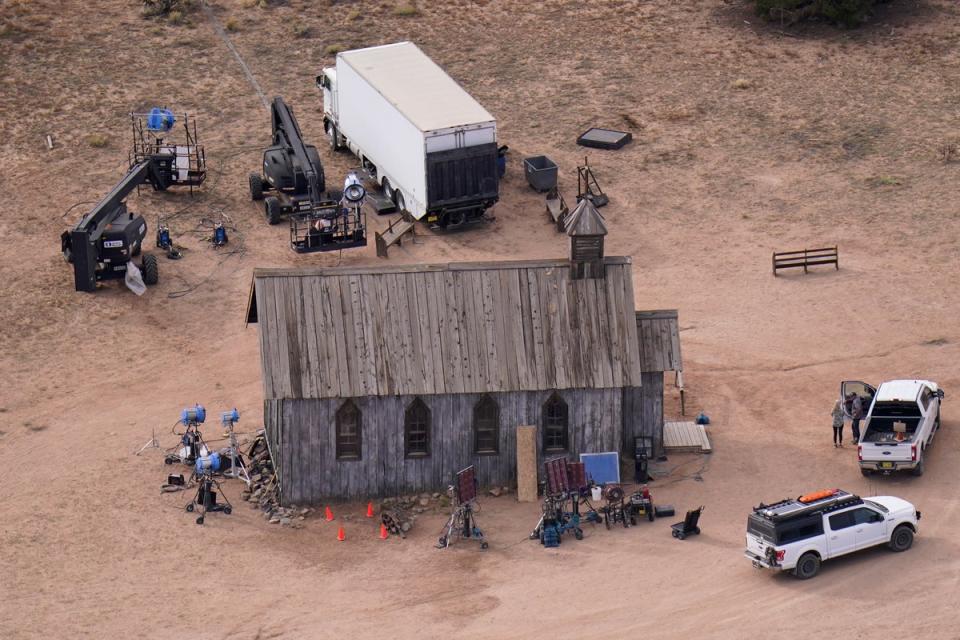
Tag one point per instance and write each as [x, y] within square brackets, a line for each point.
[741, 83]
[406, 10]
[333, 49]
[849, 13]
[97, 140]
[232, 25]
[949, 151]
[354, 15]
[884, 181]
[249, 4]
[155, 8]
[301, 30]
[175, 17]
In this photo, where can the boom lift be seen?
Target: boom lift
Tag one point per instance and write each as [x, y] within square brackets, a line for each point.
[294, 181]
[105, 240]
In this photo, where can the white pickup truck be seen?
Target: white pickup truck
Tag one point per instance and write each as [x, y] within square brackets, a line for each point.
[902, 418]
[798, 534]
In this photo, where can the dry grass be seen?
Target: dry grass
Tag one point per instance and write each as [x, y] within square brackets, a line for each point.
[301, 30]
[98, 140]
[333, 49]
[232, 25]
[406, 10]
[742, 83]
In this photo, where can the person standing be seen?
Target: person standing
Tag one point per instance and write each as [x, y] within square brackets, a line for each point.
[856, 414]
[837, 414]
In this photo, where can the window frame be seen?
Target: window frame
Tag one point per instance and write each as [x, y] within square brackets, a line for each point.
[427, 419]
[555, 399]
[485, 402]
[348, 406]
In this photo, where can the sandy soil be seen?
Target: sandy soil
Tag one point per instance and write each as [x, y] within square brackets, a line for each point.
[835, 137]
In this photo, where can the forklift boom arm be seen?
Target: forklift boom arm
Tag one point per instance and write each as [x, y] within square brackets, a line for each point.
[286, 131]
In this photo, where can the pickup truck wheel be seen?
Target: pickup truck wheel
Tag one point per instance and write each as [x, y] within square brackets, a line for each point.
[918, 470]
[866, 472]
[902, 538]
[807, 566]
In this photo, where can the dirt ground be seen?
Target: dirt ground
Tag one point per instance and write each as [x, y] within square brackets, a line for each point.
[748, 138]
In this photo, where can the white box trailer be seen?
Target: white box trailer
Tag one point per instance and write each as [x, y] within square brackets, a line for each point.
[431, 146]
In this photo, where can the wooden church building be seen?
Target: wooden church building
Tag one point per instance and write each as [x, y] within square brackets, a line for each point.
[383, 380]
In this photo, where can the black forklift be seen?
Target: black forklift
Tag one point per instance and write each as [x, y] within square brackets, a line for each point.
[105, 240]
[292, 185]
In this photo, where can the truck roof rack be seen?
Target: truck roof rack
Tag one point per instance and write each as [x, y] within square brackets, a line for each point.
[794, 507]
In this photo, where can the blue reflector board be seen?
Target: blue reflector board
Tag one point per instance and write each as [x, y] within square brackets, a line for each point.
[602, 467]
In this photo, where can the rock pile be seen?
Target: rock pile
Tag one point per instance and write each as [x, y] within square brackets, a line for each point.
[263, 492]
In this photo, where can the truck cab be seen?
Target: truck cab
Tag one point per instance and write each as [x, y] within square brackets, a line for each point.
[902, 417]
[797, 535]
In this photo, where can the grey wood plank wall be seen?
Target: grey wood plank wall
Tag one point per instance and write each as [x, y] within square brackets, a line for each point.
[302, 436]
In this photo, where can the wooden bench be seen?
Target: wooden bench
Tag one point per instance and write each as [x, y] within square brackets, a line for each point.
[394, 234]
[806, 258]
[557, 208]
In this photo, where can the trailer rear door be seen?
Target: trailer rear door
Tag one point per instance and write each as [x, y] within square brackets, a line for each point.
[459, 176]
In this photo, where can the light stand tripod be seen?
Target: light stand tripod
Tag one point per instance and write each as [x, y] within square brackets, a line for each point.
[462, 521]
[206, 497]
[152, 443]
[237, 468]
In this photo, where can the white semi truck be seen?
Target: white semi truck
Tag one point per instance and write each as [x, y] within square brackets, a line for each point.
[429, 144]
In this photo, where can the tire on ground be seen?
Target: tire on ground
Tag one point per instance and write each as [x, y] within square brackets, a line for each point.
[807, 566]
[150, 268]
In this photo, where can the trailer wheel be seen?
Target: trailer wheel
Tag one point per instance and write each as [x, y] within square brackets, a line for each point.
[334, 136]
[256, 187]
[151, 271]
[807, 566]
[271, 209]
[902, 538]
[387, 189]
[398, 200]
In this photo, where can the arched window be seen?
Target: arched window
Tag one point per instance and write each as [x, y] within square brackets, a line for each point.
[486, 426]
[348, 432]
[555, 424]
[416, 430]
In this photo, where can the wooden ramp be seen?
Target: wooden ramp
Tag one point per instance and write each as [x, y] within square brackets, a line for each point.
[685, 437]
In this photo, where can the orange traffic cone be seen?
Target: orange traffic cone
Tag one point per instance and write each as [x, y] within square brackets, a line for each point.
[340, 535]
[329, 514]
[383, 531]
[369, 509]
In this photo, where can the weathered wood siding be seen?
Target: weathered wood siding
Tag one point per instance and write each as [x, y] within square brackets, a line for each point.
[643, 412]
[658, 333]
[302, 433]
[440, 329]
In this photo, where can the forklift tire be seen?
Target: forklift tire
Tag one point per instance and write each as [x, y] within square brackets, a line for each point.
[151, 273]
[256, 187]
[271, 208]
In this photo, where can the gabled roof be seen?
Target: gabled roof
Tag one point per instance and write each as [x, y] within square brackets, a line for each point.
[444, 328]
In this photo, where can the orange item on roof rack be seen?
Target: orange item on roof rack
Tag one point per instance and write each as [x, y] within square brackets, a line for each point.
[817, 495]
